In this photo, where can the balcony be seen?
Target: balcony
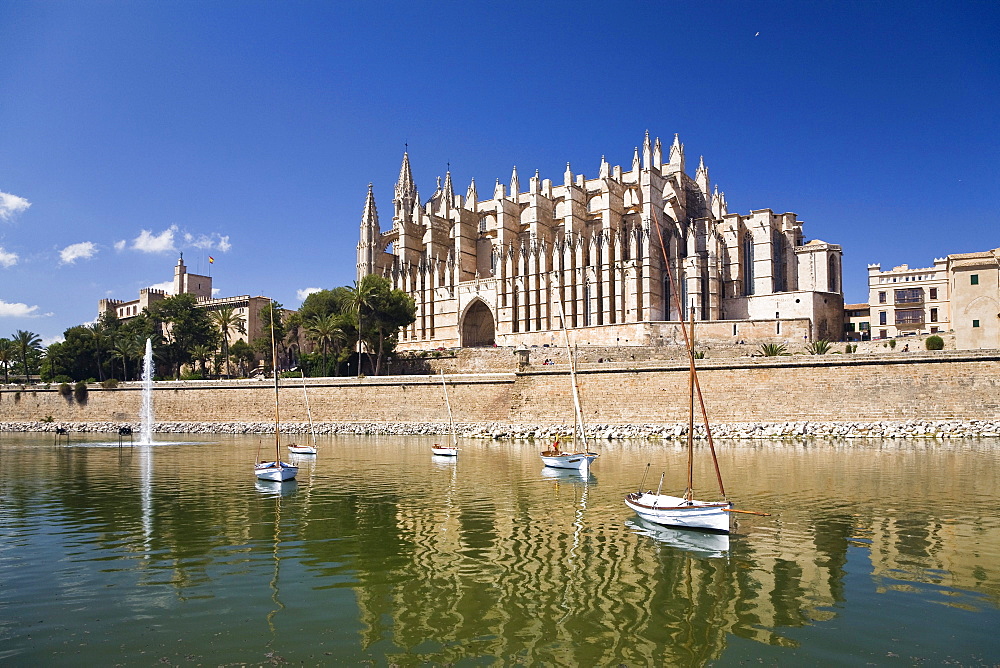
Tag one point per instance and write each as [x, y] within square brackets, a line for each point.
[910, 296]
[911, 316]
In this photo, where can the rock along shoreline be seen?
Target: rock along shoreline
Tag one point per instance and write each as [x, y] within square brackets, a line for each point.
[909, 429]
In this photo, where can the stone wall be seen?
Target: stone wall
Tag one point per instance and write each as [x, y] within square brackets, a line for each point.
[831, 388]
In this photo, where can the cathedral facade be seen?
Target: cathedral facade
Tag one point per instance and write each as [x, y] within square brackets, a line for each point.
[616, 257]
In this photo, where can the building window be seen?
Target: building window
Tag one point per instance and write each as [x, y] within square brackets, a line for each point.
[933, 315]
[975, 323]
[848, 326]
[778, 253]
[881, 297]
[882, 333]
[748, 264]
[909, 316]
[909, 296]
[933, 293]
[881, 317]
[975, 279]
[934, 330]
[863, 327]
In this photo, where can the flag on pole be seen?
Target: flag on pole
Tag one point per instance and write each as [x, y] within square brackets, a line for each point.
[211, 260]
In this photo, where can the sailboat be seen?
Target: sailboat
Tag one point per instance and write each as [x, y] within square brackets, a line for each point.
[555, 456]
[685, 511]
[277, 470]
[295, 448]
[447, 450]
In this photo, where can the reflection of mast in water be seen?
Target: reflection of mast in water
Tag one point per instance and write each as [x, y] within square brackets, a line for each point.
[273, 584]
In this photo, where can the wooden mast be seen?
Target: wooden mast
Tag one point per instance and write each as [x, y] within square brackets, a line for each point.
[274, 364]
[578, 428]
[688, 342]
[451, 420]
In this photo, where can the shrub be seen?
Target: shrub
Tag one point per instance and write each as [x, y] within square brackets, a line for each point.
[934, 343]
[48, 419]
[820, 347]
[192, 375]
[773, 349]
[109, 383]
[851, 348]
[62, 378]
[892, 344]
[66, 391]
[80, 392]
[699, 354]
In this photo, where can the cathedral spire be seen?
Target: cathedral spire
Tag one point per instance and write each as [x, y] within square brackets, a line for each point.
[677, 153]
[568, 176]
[515, 185]
[635, 160]
[471, 198]
[647, 152]
[449, 190]
[368, 246]
[406, 192]
[658, 154]
[498, 192]
[701, 177]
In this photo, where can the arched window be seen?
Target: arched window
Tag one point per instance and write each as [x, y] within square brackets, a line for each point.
[748, 264]
[778, 253]
[832, 275]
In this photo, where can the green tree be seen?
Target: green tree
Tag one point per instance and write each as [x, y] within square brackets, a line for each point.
[273, 312]
[242, 354]
[228, 321]
[127, 347]
[7, 355]
[361, 302]
[394, 310]
[328, 331]
[201, 354]
[96, 330]
[28, 345]
[185, 326]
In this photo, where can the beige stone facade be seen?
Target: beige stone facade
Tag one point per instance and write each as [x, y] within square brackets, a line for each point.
[907, 301]
[974, 281]
[960, 294]
[502, 270]
[200, 286]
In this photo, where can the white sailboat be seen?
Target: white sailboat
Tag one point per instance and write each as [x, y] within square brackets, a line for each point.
[276, 470]
[447, 450]
[555, 456]
[686, 511]
[295, 448]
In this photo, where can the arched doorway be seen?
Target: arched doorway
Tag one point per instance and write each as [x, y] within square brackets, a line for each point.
[477, 326]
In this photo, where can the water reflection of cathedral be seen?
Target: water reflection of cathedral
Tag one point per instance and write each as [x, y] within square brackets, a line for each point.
[533, 575]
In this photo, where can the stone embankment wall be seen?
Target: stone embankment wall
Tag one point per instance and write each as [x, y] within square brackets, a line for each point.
[759, 395]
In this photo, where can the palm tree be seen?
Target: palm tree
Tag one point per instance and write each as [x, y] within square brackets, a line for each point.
[7, 352]
[26, 341]
[228, 321]
[126, 348]
[200, 353]
[96, 331]
[772, 349]
[327, 331]
[820, 347]
[361, 301]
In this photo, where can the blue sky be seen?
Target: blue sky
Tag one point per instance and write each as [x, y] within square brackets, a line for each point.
[249, 131]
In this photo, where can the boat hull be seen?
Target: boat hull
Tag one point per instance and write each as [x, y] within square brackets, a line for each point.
[275, 471]
[444, 451]
[576, 460]
[302, 449]
[673, 511]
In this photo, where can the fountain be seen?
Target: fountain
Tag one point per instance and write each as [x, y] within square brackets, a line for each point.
[146, 412]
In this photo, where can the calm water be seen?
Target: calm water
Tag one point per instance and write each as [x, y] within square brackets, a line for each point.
[882, 553]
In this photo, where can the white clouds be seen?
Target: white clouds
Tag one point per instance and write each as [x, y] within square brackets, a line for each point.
[305, 292]
[11, 205]
[120, 245]
[147, 242]
[168, 239]
[213, 241]
[18, 310]
[166, 286]
[7, 259]
[83, 250]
